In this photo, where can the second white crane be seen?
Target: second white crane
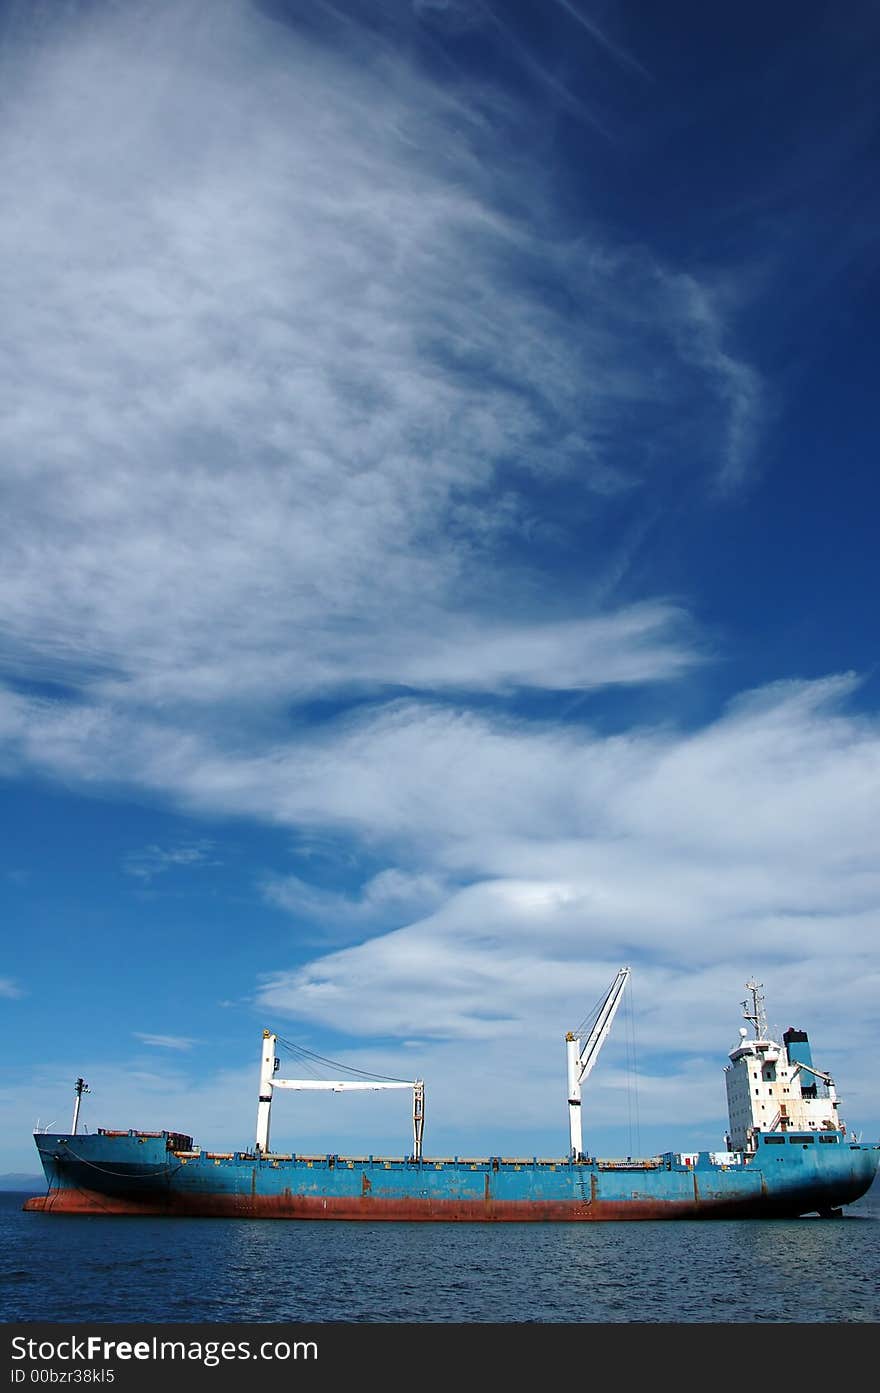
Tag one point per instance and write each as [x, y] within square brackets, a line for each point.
[581, 1060]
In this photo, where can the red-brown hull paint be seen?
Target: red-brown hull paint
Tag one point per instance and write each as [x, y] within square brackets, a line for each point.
[370, 1209]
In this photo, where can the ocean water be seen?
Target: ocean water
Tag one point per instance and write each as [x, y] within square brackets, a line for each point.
[119, 1269]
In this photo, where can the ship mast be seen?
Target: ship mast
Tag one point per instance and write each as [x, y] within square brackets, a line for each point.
[79, 1088]
[757, 1015]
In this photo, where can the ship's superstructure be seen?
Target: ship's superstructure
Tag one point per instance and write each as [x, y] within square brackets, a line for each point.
[787, 1155]
[774, 1088]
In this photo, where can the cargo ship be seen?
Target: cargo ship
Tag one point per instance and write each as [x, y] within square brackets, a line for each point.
[787, 1153]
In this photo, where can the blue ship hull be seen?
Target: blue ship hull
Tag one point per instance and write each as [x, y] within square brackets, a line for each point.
[161, 1174]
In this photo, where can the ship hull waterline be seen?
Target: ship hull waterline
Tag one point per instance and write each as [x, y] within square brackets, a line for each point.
[406, 1210]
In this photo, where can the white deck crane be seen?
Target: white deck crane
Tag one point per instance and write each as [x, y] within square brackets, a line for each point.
[819, 1073]
[581, 1061]
[269, 1064]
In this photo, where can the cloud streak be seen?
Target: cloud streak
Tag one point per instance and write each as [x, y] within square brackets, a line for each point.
[601, 38]
[165, 1042]
[154, 860]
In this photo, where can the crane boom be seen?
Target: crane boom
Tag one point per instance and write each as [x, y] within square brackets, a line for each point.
[268, 1083]
[826, 1078]
[335, 1085]
[582, 1060]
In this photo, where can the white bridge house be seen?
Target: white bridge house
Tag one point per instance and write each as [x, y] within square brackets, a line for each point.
[773, 1087]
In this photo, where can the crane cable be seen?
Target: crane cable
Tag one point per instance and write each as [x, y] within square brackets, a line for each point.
[308, 1059]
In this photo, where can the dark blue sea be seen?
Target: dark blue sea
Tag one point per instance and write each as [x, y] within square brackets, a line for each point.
[118, 1269]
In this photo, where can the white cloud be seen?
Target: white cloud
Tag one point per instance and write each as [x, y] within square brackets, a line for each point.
[286, 372]
[151, 861]
[601, 38]
[389, 895]
[644, 643]
[165, 1042]
[781, 790]
[9, 988]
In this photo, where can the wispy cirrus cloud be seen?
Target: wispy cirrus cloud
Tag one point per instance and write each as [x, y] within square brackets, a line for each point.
[151, 861]
[199, 510]
[165, 1042]
[10, 989]
[389, 896]
[495, 793]
[585, 20]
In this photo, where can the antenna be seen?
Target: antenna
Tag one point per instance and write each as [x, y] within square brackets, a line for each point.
[757, 1015]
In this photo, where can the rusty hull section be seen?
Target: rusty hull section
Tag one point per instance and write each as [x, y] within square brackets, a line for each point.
[371, 1209]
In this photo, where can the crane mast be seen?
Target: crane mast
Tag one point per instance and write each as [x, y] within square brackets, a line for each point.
[582, 1060]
